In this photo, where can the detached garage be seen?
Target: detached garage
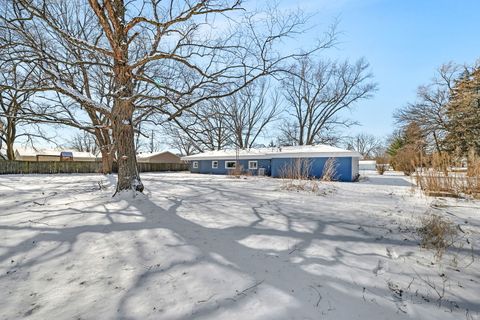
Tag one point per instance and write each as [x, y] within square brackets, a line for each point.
[273, 161]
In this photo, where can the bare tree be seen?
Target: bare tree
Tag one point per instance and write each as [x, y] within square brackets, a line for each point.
[160, 56]
[14, 99]
[248, 112]
[237, 120]
[205, 126]
[429, 112]
[367, 145]
[316, 93]
[84, 142]
[179, 140]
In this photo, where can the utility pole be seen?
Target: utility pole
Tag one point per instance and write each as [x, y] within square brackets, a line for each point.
[151, 142]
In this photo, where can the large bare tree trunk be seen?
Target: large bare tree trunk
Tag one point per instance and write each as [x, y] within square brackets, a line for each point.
[10, 151]
[128, 177]
[10, 139]
[107, 161]
[104, 141]
[122, 113]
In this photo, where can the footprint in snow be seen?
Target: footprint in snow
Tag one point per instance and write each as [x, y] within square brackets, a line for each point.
[381, 268]
[391, 253]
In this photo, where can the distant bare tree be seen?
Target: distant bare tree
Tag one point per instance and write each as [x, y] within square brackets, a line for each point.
[84, 142]
[15, 97]
[237, 120]
[429, 112]
[248, 112]
[316, 93]
[179, 140]
[205, 126]
[367, 145]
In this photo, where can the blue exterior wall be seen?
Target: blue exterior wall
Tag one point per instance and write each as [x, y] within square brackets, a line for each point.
[344, 167]
[274, 167]
[205, 166]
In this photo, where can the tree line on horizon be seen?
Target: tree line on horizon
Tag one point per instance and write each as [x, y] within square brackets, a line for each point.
[443, 122]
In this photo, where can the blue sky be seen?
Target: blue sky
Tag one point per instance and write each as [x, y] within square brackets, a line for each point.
[404, 41]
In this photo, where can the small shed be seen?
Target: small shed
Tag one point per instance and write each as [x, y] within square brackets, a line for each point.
[159, 157]
[272, 161]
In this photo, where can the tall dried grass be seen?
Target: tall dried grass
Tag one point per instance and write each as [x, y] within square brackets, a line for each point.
[330, 170]
[441, 180]
[295, 176]
[237, 171]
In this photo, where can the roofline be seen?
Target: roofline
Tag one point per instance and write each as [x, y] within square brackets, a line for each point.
[274, 156]
[155, 154]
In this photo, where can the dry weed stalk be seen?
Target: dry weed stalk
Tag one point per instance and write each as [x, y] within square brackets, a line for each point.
[237, 171]
[295, 176]
[442, 180]
[330, 170]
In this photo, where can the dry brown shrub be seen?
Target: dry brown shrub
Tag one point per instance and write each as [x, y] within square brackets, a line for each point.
[381, 168]
[437, 233]
[382, 164]
[441, 180]
[236, 172]
[406, 160]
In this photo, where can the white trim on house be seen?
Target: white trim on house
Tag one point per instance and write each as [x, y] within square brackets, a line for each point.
[251, 166]
[195, 164]
[317, 151]
[215, 164]
[234, 164]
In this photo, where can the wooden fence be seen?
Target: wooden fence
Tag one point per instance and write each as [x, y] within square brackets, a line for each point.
[50, 167]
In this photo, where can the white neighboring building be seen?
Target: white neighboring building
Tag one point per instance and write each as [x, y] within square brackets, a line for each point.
[30, 154]
[158, 157]
[367, 165]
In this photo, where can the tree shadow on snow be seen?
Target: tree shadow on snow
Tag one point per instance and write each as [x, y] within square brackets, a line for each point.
[231, 269]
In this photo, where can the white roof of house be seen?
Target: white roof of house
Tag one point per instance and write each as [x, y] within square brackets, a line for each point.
[147, 155]
[31, 152]
[315, 151]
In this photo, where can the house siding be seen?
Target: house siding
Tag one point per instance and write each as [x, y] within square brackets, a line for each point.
[344, 167]
[205, 166]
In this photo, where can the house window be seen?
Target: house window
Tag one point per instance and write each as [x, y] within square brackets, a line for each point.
[214, 164]
[195, 165]
[252, 165]
[230, 164]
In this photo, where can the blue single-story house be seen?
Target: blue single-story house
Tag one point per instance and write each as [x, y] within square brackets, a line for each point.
[273, 161]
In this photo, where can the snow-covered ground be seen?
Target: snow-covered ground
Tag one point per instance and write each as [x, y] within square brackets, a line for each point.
[214, 247]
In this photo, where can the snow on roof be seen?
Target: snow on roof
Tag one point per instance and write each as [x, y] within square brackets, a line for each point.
[146, 155]
[320, 150]
[31, 152]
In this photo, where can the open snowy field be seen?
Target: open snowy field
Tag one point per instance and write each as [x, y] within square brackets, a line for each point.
[214, 247]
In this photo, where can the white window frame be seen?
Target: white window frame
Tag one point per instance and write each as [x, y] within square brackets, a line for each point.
[215, 164]
[234, 164]
[195, 164]
[250, 165]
